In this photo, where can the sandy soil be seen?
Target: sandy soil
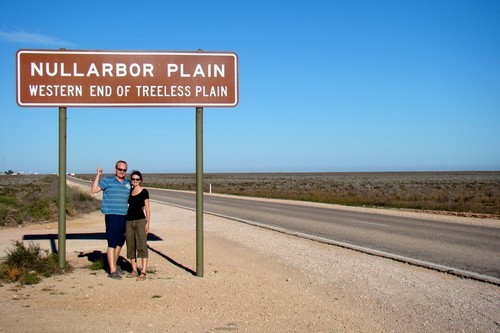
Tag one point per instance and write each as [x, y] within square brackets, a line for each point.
[255, 280]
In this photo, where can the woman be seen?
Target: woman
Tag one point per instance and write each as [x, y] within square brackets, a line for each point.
[138, 222]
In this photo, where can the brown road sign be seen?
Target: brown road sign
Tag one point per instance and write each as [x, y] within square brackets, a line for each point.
[112, 79]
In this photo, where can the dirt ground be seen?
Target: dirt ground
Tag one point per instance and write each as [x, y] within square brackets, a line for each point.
[255, 280]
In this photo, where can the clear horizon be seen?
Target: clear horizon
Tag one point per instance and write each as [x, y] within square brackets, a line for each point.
[264, 172]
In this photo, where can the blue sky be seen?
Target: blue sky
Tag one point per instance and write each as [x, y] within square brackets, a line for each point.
[324, 86]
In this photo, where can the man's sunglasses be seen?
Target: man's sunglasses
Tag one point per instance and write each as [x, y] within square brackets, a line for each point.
[122, 170]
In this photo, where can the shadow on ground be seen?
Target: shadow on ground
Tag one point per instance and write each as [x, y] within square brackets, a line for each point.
[99, 256]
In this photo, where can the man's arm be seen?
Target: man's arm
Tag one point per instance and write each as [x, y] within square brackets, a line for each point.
[95, 184]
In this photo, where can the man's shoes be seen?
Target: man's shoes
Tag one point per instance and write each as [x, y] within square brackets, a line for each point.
[120, 271]
[115, 275]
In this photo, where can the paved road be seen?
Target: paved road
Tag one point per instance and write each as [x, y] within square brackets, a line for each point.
[463, 249]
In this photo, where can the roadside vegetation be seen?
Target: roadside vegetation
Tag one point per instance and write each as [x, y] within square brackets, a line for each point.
[28, 264]
[33, 198]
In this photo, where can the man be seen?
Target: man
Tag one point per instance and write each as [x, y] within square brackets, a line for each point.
[116, 190]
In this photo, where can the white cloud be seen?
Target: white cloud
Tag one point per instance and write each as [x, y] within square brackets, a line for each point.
[38, 39]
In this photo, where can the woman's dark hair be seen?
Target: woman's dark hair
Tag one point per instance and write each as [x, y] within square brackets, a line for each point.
[137, 173]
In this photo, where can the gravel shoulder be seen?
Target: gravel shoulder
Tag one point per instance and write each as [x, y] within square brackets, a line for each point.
[255, 280]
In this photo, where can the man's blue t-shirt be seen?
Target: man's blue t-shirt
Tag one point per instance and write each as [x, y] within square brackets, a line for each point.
[115, 195]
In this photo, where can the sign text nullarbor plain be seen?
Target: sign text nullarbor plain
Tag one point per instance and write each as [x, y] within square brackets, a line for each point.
[123, 70]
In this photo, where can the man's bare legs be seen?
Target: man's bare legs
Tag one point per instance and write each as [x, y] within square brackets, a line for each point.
[113, 254]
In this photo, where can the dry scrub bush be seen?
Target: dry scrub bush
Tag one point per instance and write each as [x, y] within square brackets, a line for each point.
[37, 200]
[27, 264]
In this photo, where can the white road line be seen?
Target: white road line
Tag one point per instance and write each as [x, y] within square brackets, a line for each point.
[216, 201]
[366, 222]
[268, 208]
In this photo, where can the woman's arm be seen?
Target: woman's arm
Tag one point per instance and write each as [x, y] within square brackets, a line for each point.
[147, 212]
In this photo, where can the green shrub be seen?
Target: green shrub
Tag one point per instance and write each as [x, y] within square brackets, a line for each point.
[27, 264]
[97, 265]
[42, 209]
[8, 199]
[9, 215]
[29, 278]
[80, 201]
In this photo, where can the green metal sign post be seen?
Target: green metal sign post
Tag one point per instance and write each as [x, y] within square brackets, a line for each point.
[61, 240]
[199, 192]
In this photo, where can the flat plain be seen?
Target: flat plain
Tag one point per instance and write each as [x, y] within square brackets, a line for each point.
[469, 193]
